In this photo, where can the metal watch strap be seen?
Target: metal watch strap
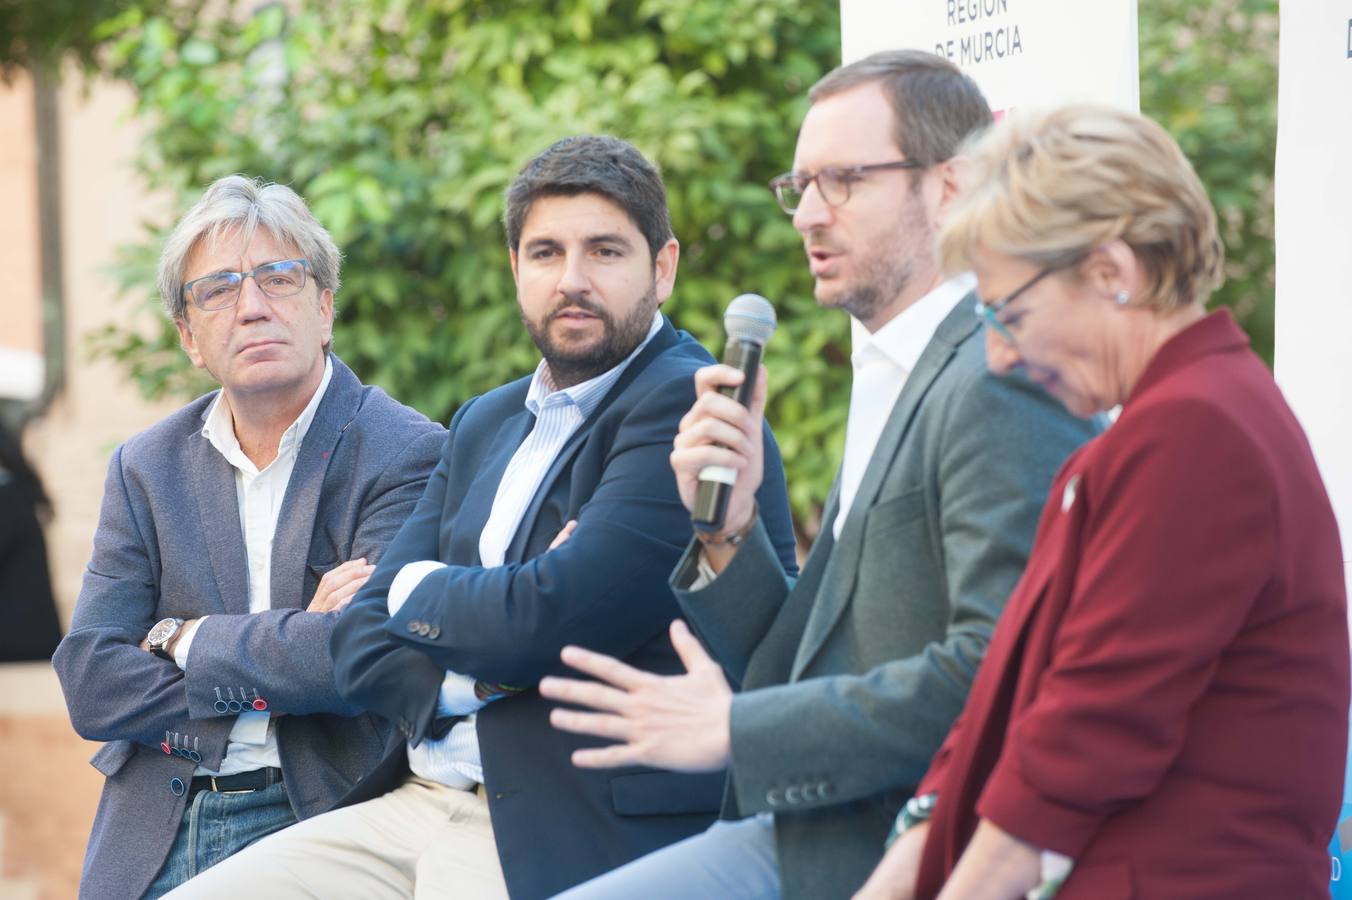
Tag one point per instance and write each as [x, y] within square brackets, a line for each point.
[916, 811]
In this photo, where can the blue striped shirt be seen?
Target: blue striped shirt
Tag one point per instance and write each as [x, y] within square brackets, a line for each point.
[455, 760]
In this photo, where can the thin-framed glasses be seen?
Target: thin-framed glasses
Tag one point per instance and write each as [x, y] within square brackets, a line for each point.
[990, 314]
[832, 181]
[220, 290]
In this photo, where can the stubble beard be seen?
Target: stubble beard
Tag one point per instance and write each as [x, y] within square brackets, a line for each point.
[890, 267]
[570, 366]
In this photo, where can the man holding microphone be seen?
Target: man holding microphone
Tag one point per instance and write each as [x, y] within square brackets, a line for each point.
[851, 674]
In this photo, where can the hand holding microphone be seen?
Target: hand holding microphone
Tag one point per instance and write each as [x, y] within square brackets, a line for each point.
[718, 450]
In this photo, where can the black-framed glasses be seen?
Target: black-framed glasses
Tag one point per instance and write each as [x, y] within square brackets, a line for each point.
[832, 181]
[220, 290]
[990, 314]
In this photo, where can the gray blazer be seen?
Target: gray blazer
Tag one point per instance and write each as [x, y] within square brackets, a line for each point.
[169, 543]
[852, 675]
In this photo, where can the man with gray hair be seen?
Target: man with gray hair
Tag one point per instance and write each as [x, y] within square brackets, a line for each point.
[231, 535]
[552, 518]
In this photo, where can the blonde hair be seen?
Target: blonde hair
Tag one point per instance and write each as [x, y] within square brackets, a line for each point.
[1048, 187]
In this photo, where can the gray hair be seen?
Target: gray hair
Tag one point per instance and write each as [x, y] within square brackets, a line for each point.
[246, 204]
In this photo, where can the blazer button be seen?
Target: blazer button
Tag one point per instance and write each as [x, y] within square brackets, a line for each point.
[435, 632]
[793, 796]
[413, 626]
[823, 788]
[176, 787]
[424, 629]
[772, 797]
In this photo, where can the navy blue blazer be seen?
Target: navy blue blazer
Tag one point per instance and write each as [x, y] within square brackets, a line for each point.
[605, 588]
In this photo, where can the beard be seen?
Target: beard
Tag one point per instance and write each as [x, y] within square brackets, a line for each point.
[570, 365]
[890, 266]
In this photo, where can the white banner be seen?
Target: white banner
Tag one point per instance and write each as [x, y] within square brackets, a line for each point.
[1021, 52]
[1314, 268]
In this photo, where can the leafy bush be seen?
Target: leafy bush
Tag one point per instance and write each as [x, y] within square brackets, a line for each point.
[403, 122]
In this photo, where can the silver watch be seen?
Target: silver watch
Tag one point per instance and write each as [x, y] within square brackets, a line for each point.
[160, 634]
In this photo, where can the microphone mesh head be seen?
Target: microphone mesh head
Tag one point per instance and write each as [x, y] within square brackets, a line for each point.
[750, 318]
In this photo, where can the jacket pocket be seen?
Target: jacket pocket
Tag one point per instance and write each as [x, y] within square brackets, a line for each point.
[666, 793]
[111, 757]
[892, 512]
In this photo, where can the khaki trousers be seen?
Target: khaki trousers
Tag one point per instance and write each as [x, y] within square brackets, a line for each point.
[421, 840]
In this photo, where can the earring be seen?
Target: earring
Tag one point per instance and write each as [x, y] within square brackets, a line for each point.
[1121, 298]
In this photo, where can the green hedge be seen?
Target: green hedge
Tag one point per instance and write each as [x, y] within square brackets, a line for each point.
[403, 122]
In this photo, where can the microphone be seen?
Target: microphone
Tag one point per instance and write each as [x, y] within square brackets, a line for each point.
[749, 322]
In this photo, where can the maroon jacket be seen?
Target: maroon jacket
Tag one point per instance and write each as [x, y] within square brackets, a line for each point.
[1165, 698]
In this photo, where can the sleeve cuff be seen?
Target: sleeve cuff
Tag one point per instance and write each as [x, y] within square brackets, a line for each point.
[687, 570]
[705, 573]
[1018, 808]
[457, 696]
[408, 579]
[185, 643]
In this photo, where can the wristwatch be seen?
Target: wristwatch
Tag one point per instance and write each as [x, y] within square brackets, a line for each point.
[160, 634]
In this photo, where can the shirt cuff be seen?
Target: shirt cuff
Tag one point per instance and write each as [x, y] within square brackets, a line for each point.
[185, 642]
[457, 697]
[1056, 868]
[706, 574]
[408, 579]
[251, 727]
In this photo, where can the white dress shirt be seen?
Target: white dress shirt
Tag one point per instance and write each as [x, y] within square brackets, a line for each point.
[455, 760]
[882, 362]
[253, 745]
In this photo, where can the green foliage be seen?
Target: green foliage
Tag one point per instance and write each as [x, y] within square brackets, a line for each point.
[1209, 75]
[402, 122]
[37, 33]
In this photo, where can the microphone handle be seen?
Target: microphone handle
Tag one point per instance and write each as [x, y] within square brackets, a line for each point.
[715, 482]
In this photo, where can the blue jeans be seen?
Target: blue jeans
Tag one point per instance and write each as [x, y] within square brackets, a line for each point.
[731, 861]
[216, 826]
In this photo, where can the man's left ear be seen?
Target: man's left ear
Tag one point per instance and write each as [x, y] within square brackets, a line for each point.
[664, 270]
[946, 175]
[326, 310]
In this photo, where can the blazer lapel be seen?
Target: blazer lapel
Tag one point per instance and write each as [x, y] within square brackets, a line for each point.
[300, 504]
[842, 569]
[213, 488]
[477, 504]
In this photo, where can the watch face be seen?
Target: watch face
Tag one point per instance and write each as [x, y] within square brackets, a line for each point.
[162, 631]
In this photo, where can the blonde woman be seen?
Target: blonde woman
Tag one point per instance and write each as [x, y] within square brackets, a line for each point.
[1163, 709]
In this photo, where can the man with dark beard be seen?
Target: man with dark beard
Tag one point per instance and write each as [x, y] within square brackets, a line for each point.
[552, 518]
[851, 676]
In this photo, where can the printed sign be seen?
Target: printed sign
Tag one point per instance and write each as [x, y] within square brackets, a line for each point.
[1021, 52]
[1314, 270]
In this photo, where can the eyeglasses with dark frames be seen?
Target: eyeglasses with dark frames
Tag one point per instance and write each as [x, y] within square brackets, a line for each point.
[220, 290]
[990, 313]
[833, 182]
